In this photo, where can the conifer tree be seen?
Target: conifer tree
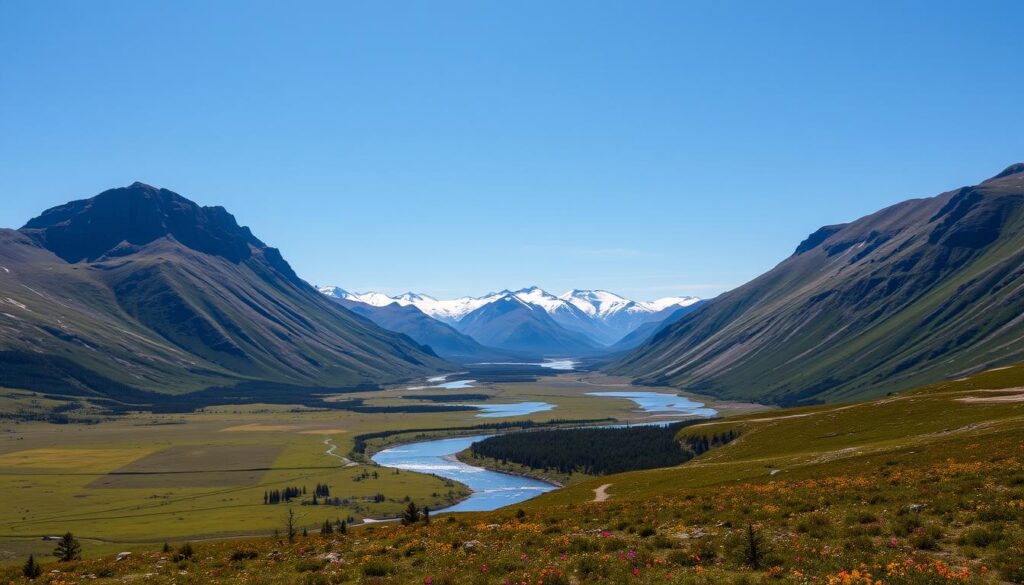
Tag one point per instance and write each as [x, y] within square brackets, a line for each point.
[753, 551]
[68, 549]
[290, 525]
[411, 514]
[31, 569]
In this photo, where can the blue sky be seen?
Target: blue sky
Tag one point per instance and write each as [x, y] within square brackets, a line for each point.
[649, 148]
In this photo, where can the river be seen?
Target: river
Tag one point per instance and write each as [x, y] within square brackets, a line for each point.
[491, 489]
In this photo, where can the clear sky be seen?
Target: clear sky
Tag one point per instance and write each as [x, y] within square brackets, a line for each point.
[648, 148]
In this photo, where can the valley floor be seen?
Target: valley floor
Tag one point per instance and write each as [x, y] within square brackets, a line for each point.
[132, 482]
[916, 489]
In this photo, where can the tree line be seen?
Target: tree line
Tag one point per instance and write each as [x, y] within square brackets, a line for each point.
[285, 495]
[599, 451]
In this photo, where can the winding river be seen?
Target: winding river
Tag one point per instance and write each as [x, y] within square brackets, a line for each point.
[491, 489]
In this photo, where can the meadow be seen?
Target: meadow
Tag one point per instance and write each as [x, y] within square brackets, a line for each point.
[925, 487]
[133, 481]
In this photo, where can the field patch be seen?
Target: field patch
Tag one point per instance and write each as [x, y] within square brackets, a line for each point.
[195, 466]
[66, 459]
[323, 432]
[260, 428]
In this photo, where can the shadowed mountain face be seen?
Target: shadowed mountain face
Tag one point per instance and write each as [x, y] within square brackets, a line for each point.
[662, 319]
[145, 288]
[442, 338]
[923, 290]
[512, 324]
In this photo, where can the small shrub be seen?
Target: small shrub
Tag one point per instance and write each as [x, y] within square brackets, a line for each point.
[583, 545]
[244, 555]
[980, 537]
[816, 525]
[587, 566]
[681, 558]
[905, 525]
[184, 553]
[377, 568]
[926, 538]
[309, 565]
[662, 541]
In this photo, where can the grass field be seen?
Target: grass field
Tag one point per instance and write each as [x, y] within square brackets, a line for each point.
[920, 488]
[133, 481]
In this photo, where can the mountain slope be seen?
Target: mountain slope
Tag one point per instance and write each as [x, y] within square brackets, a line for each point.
[442, 338]
[619, 316]
[512, 324]
[568, 315]
[148, 289]
[661, 320]
[923, 290]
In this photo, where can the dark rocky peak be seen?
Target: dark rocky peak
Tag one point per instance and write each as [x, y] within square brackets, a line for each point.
[87, 229]
[1014, 169]
[817, 238]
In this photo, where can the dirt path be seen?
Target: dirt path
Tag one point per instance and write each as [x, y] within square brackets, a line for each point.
[346, 462]
[601, 493]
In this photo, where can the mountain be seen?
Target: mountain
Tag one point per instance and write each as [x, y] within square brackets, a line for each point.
[442, 338]
[660, 320]
[568, 315]
[601, 316]
[618, 315]
[447, 311]
[512, 324]
[140, 288]
[918, 292]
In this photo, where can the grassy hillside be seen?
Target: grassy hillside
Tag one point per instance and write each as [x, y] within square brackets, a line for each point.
[140, 289]
[922, 291]
[925, 487]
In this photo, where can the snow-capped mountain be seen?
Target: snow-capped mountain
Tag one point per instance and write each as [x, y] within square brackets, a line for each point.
[602, 316]
[604, 305]
[449, 311]
[662, 304]
[511, 323]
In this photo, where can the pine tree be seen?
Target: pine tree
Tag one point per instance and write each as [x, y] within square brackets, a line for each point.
[304, 532]
[327, 528]
[68, 549]
[31, 570]
[426, 515]
[167, 548]
[343, 527]
[752, 549]
[290, 525]
[411, 514]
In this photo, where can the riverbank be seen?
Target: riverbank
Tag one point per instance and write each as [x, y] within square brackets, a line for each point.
[489, 489]
[557, 479]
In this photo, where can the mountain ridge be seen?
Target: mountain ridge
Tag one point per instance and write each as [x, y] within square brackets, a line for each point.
[604, 326]
[172, 307]
[917, 292]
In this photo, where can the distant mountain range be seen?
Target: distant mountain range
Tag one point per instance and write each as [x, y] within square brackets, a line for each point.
[140, 290]
[530, 320]
[441, 337]
[918, 292]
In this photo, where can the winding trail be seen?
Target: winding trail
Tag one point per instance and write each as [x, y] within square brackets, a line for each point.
[601, 493]
[346, 462]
